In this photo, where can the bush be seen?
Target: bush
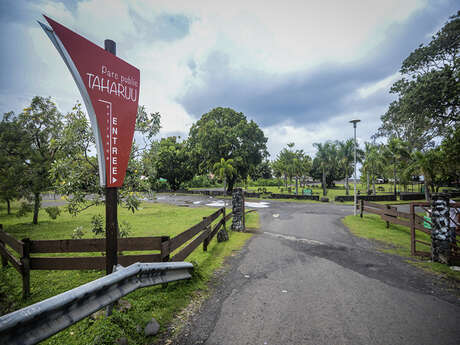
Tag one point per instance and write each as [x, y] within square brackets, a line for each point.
[97, 225]
[53, 211]
[271, 182]
[24, 209]
[78, 233]
[200, 181]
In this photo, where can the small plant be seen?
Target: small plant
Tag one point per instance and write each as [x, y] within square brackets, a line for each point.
[97, 225]
[53, 211]
[78, 233]
[124, 229]
[24, 209]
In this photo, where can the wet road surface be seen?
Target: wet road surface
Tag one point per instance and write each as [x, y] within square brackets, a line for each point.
[304, 279]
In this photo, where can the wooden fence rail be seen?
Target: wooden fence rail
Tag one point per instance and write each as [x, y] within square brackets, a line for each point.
[413, 221]
[164, 246]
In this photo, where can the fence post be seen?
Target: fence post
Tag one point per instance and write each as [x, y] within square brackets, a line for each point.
[412, 229]
[388, 223]
[165, 251]
[25, 262]
[4, 258]
[361, 208]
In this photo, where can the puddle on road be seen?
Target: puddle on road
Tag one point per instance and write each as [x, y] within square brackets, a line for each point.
[248, 204]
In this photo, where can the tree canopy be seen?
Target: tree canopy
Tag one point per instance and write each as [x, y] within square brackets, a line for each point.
[428, 100]
[225, 133]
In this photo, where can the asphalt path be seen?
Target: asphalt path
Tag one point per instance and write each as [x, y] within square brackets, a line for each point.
[304, 279]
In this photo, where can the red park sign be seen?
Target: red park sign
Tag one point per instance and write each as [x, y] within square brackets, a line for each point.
[109, 87]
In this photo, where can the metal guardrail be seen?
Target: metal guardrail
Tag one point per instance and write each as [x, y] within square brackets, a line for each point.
[41, 320]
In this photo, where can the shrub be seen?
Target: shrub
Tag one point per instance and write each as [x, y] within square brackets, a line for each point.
[97, 225]
[124, 229]
[53, 211]
[78, 233]
[24, 209]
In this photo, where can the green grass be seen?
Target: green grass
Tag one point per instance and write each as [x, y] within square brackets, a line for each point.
[395, 240]
[158, 302]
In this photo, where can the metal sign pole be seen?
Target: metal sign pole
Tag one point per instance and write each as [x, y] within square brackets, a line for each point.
[111, 205]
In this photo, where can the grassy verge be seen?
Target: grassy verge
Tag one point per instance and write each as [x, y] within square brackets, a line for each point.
[158, 302]
[396, 240]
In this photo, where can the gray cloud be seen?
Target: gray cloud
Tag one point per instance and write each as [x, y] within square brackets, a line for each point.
[165, 27]
[311, 96]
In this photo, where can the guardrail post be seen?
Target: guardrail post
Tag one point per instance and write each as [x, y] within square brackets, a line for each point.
[25, 262]
[361, 210]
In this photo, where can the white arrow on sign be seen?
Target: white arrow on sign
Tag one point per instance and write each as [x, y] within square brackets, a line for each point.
[114, 179]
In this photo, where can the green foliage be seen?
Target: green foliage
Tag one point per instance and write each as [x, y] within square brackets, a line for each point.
[78, 233]
[200, 181]
[171, 160]
[429, 93]
[329, 163]
[53, 211]
[97, 225]
[225, 170]
[291, 163]
[124, 229]
[266, 182]
[24, 209]
[131, 201]
[225, 133]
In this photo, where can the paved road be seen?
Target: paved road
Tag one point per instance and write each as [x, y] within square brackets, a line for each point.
[304, 279]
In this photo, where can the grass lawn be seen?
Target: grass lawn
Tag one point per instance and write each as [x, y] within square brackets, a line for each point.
[396, 240]
[157, 301]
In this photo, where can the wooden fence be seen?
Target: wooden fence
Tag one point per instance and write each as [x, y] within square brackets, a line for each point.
[413, 221]
[181, 246]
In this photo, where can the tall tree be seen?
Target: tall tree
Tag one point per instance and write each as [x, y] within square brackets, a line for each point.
[429, 93]
[13, 153]
[327, 158]
[225, 133]
[346, 159]
[172, 162]
[42, 124]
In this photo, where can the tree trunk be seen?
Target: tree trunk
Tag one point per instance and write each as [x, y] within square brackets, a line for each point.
[8, 206]
[427, 192]
[285, 181]
[36, 207]
[296, 185]
[373, 185]
[324, 183]
[367, 181]
[394, 176]
[225, 185]
[347, 186]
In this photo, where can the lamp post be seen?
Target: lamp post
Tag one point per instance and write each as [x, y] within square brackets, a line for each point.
[354, 122]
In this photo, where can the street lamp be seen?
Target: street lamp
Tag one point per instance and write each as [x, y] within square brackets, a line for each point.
[354, 122]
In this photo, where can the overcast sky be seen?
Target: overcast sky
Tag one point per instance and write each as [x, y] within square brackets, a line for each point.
[300, 69]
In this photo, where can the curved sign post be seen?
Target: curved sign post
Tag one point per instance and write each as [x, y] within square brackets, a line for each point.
[109, 87]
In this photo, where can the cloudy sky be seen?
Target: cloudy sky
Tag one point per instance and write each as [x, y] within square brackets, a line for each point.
[300, 69]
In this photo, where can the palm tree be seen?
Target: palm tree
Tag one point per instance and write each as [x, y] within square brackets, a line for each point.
[326, 155]
[225, 170]
[395, 151]
[372, 163]
[346, 159]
